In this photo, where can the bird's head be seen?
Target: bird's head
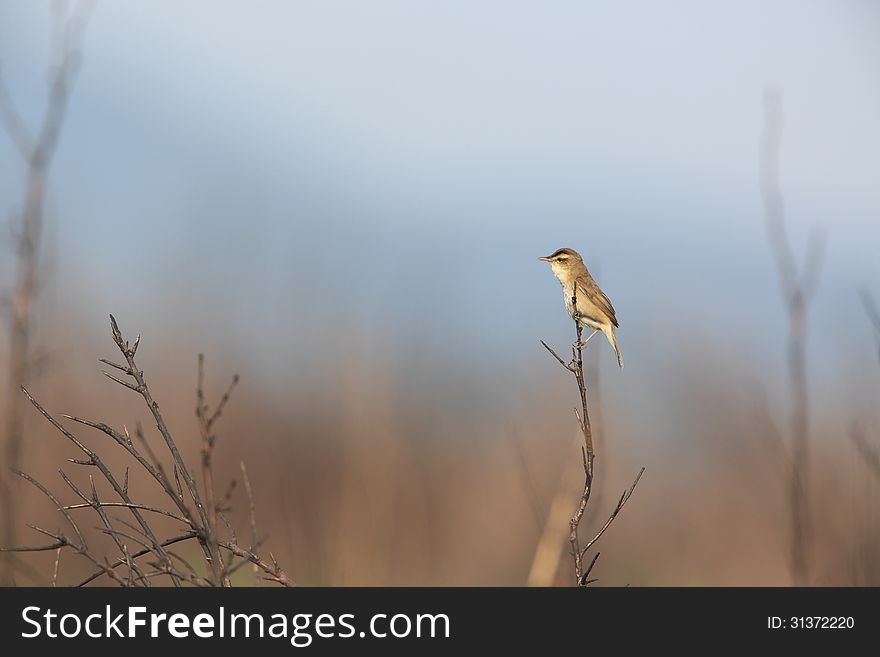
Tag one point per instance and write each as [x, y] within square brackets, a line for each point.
[565, 263]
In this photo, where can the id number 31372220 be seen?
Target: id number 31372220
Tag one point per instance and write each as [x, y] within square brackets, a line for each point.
[810, 623]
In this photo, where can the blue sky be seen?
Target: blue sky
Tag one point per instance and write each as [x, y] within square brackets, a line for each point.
[302, 165]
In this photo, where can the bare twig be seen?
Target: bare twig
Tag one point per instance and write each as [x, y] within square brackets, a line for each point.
[624, 498]
[584, 578]
[140, 553]
[273, 571]
[61, 540]
[129, 351]
[95, 504]
[142, 507]
[102, 467]
[155, 471]
[528, 481]
[200, 523]
[576, 367]
[206, 422]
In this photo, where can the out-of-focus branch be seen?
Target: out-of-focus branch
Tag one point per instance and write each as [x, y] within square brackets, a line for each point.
[870, 453]
[36, 150]
[549, 549]
[798, 289]
[526, 478]
[873, 314]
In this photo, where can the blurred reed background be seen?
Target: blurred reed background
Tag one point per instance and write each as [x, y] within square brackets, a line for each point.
[343, 202]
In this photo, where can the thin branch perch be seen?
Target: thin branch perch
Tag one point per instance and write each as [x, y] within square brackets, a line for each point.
[588, 456]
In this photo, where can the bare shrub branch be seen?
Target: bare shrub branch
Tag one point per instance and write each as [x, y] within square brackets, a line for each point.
[200, 524]
[588, 456]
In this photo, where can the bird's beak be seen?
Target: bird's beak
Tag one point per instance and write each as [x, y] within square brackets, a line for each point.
[545, 258]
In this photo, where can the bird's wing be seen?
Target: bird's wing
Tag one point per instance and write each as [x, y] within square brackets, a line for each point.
[587, 286]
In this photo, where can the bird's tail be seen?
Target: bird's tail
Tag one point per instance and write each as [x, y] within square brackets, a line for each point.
[608, 330]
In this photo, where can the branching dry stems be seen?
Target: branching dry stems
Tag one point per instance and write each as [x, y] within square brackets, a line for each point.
[588, 454]
[197, 518]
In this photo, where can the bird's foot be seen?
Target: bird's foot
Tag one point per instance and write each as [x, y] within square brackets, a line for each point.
[583, 343]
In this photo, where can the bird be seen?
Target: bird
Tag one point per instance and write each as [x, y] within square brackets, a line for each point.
[584, 301]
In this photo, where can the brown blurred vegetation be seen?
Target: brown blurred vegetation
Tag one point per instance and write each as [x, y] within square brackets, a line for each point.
[358, 483]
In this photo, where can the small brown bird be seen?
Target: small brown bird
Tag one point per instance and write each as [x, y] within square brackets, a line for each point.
[593, 309]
